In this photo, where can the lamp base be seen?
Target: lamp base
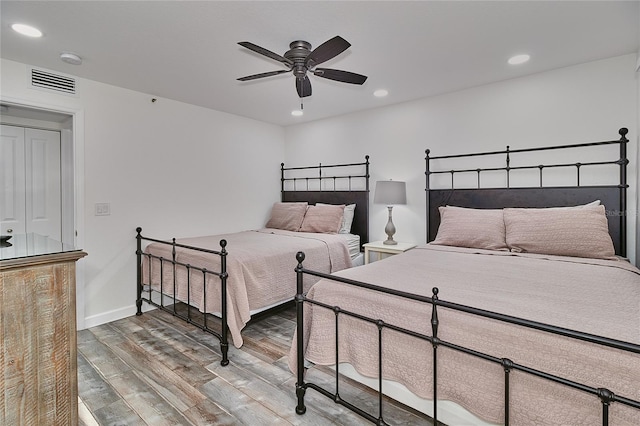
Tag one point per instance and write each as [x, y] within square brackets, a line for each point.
[390, 229]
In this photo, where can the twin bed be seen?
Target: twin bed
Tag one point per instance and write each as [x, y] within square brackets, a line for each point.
[499, 320]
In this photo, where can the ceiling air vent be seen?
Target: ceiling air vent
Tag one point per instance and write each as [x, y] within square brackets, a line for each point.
[51, 81]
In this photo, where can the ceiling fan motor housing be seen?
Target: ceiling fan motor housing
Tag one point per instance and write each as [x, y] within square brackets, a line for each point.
[299, 50]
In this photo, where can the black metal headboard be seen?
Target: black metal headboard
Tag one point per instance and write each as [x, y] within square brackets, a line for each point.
[613, 197]
[313, 185]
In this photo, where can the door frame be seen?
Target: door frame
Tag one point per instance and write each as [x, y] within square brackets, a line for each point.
[77, 134]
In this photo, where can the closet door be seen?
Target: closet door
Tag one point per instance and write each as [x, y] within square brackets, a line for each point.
[30, 182]
[12, 181]
[42, 181]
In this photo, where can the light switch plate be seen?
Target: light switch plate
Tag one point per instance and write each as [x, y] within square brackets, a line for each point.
[103, 209]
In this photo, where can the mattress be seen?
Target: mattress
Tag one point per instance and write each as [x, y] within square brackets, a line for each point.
[600, 297]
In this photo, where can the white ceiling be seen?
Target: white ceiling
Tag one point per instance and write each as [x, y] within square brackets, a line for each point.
[187, 50]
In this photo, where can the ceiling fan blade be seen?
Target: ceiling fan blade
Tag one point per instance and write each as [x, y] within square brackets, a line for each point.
[265, 52]
[261, 75]
[339, 75]
[303, 86]
[326, 51]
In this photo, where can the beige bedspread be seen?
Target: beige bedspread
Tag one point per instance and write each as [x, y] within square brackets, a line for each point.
[260, 265]
[594, 296]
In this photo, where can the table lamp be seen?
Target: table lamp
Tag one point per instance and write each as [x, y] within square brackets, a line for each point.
[390, 192]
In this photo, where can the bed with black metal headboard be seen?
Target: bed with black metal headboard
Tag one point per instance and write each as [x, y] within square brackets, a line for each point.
[613, 197]
[220, 283]
[346, 184]
[471, 335]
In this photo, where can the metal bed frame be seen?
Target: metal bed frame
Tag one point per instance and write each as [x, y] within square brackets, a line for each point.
[222, 274]
[145, 292]
[614, 195]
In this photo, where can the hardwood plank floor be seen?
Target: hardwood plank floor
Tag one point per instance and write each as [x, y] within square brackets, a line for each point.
[157, 370]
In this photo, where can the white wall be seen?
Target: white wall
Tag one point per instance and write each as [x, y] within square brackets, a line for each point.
[172, 168]
[583, 103]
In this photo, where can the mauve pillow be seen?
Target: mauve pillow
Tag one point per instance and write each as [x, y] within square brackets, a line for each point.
[324, 219]
[287, 216]
[472, 228]
[347, 219]
[578, 232]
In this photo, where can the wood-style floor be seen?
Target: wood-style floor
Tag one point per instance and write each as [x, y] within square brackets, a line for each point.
[157, 370]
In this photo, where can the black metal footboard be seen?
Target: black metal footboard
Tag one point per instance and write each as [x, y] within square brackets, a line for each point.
[605, 396]
[146, 288]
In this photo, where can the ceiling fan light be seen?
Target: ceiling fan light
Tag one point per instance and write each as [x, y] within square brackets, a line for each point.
[380, 93]
[297, 112]
[518, 59]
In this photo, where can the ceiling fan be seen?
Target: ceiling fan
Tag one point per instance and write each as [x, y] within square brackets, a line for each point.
[301, 59]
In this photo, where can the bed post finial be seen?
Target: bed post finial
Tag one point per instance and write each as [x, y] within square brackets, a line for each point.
[623, 133]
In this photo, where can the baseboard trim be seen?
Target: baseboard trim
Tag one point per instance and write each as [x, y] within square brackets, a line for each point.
[114, 315]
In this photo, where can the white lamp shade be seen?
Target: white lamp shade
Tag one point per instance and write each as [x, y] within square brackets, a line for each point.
[390, 192]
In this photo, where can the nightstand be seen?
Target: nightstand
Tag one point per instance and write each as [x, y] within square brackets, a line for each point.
[384, 250]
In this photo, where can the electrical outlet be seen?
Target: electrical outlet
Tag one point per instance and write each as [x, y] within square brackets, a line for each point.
[103, 209]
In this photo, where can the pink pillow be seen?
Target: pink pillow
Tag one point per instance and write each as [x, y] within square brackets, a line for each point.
[579, 232]
[287, 216]
[472, 228]
[326, 219]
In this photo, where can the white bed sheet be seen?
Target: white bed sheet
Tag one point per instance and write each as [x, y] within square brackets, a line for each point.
[353, 244]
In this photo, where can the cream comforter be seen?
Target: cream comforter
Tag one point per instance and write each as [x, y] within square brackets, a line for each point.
[594, 296]
[260, 265]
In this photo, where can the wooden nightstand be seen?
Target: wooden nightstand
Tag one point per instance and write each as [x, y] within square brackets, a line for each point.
[385, 250]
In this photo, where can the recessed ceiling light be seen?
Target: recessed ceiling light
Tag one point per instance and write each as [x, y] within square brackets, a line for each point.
[380, 93]
[518, 59]
[26, 30]
[297, 112]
